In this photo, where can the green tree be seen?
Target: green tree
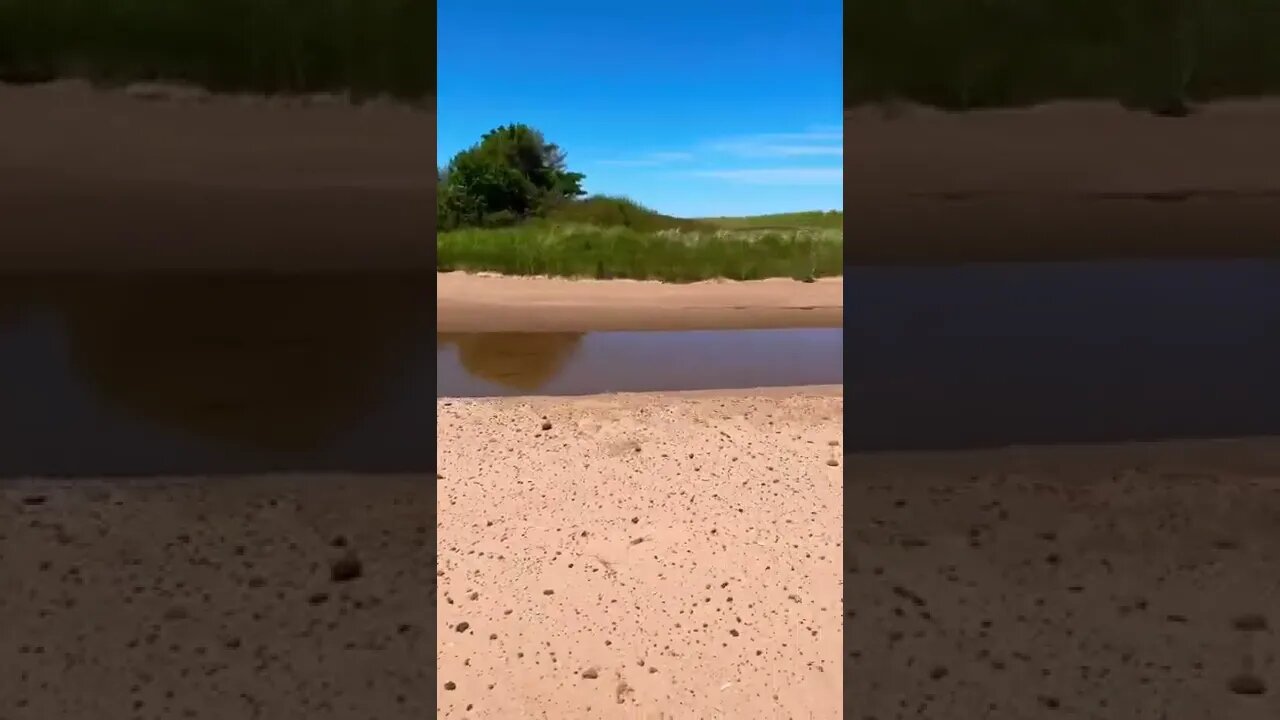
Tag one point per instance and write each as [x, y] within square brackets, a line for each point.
[512, 174]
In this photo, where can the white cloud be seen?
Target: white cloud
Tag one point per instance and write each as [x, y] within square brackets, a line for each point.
[650, 160]
[671, 156]
[760, 150]
[778, 176]
[816, 142]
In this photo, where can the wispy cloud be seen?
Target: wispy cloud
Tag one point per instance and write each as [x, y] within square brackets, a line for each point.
[778, 176]
[822, 141]
[650, 160]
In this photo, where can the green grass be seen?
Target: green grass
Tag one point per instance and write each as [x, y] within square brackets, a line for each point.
[830, 220]
[365, 47]
[614, 237]
[609, 211]
[619, 252]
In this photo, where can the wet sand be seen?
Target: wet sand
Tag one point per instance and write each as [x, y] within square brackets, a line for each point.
[163, 178]
[489, 303]
[1123, 581]
[1064, 180]
[646, 556]
[217, 598]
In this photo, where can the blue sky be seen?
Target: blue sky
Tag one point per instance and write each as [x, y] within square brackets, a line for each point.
[693, 107]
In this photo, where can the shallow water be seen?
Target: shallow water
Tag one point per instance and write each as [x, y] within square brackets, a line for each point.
[489, 364]
[199, 375]
[995, 354]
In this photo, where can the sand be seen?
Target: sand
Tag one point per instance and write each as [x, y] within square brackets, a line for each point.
[468, 302]
[1125, 581]
[707, 581]
[1118, 581]
[646, 556]
[214, 598]
[123, 180]
[1063, 180]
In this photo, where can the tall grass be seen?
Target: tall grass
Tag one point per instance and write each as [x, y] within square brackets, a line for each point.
[365, 47]
[830, 219]
[612, 211]
[672, 255]
[1147, 53]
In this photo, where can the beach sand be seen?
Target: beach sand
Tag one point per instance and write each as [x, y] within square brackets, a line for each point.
[1125, 581]
[215, 598]
[647, 556]
[1062, 180]
[691, 543]
[165, 178]
[1121, 581]
[467, 302]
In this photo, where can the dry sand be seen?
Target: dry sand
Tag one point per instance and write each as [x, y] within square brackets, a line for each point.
[214, 598]
[1127, 581]
[490, 303]
[1061, 180]
[642, 556]
[120, 180]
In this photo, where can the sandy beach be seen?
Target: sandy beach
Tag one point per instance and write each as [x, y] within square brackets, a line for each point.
[648, 556]
[1124, 581]
[1063, 180]
[167, 177]
[674, 554]
[467, 302]
[252, 597]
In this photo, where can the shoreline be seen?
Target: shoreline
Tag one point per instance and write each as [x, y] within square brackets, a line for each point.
[488, 303]
[775, 392]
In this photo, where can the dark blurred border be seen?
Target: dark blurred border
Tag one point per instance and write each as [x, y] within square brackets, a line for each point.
[217, 135]
[1048, 130]
[184, 147]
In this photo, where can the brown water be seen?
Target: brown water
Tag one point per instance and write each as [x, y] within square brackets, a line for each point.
[488, 364]
[198, 375]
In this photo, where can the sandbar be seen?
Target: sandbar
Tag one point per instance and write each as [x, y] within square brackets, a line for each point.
[1061, 181]
[467, 302]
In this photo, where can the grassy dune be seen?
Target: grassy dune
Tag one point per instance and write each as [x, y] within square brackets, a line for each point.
[829, 219]
[366, 47]
[614, 238]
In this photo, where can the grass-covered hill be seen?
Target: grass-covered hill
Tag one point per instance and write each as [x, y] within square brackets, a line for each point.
[610, 237]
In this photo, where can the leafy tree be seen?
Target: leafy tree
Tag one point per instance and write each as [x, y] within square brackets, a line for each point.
[512, 174]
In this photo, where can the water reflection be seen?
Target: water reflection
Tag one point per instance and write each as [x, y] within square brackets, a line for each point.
[518, 361]
[196, 373]
[484, 364]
